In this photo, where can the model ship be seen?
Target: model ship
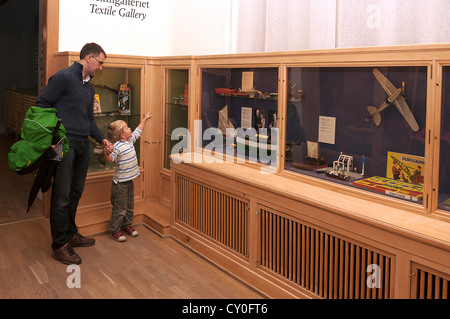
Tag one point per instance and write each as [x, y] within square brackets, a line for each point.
[230, 92]
[252, 93]
[224, 122]
[313, 157]
[312, 160]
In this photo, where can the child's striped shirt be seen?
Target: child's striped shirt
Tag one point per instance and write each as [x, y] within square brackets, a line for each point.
[124, 155]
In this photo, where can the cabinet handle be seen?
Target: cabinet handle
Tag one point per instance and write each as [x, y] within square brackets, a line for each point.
[153, 142]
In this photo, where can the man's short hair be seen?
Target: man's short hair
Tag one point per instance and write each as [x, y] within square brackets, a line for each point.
[91, 48]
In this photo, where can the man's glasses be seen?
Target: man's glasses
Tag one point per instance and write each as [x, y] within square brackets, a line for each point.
[99, 62]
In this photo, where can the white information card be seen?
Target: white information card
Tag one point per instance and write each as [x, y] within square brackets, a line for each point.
[327, 129]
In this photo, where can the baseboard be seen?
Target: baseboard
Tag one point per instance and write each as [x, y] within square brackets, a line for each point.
[151, 213]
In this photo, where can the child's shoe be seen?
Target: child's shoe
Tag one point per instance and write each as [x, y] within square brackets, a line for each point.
[130, 231]
[118, 236]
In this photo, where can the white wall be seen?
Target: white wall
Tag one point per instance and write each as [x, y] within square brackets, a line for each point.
[170, 27]
[79, 24]
[200, 27]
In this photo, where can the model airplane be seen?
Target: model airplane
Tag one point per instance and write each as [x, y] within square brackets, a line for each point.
[395, 96]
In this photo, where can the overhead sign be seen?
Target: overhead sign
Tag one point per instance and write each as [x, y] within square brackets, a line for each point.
[132, 9]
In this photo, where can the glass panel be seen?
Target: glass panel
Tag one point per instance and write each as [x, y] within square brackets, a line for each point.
[177, 99]
[239, 113]
[444, 166]
[343, 126]
[107, 107]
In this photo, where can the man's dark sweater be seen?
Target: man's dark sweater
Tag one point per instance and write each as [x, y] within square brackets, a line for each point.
[73, 99]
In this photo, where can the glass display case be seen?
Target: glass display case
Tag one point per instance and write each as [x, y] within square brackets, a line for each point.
[444, 162]
[117, 97]
[176, 110]
[239, 113]
[359, 126]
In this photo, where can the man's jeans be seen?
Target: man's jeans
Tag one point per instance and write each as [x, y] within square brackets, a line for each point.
[122, 199]
[68, 185]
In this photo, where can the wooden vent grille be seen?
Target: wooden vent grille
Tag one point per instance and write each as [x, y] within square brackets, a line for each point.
[16, 106]
[427, 283]
[220, 216]
[328, 266]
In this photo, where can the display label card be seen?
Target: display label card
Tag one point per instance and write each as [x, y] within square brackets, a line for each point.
[327, 129]
[247, 81]
[246, 117]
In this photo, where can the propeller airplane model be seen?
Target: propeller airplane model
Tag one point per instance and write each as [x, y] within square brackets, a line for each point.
[395, 96]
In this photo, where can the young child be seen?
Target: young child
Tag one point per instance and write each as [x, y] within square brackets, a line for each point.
[122, 188]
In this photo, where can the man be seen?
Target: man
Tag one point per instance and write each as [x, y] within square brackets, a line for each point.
[71, 93]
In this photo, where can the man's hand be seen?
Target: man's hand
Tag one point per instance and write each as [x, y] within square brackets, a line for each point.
[107, 146]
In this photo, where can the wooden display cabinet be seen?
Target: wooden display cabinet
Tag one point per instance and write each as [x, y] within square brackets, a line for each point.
[175, 96]
[278, 226]
[289, 231]
[343, 129]
[176, 111]
[239, 111]
[325, 103]
[443, 196]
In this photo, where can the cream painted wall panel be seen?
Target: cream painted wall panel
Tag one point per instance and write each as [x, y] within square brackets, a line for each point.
[149, 36]
[392, 22]
[201, 27]
[300, 24]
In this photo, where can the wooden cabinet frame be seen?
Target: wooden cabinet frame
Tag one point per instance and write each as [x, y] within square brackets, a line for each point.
[430, 56]
[409, 234]
[400, 233]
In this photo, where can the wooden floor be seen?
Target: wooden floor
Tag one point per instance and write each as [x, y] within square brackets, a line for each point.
[146, 266]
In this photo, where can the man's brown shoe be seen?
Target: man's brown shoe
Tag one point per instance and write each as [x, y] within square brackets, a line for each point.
[66, 255]
[81, 241]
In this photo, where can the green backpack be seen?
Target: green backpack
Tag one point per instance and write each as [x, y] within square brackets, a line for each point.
[36, 137]
[41, 129]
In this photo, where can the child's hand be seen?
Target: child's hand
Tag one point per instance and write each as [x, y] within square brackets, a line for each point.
[144, 120]
[148, 115]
